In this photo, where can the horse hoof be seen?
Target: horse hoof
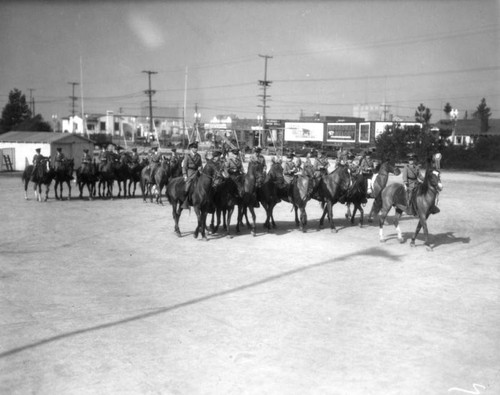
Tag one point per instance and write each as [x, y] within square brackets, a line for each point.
[334, 230]
[401, 240]
[229, 236]
[429, 247]
[382, 240]
[412, 244]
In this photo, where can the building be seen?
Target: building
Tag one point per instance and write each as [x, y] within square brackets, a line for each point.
[20, 146]
[466, 131]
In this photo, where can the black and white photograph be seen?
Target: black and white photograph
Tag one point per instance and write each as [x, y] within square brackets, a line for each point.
[249, 197]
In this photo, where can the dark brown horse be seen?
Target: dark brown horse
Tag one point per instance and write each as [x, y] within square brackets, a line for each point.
[86, 175]
[42, 176]
[135, 175]
[154, 180]
[268, 193]
[200, 196]
[330, 189]
[64, 174]
[356, 195]
[380, 183]
[298, 193]
[225, 198]
[248, 185]
[424, 198]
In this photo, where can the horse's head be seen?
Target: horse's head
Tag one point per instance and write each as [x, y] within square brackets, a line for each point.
[275, 174]
[215, 172]
[433, 179]
[344, 177]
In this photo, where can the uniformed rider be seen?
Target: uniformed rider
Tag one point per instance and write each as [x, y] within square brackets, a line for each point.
[321, 165]
[59, 159]
[411, 179]
[86, 159]
[191, 166]
[234, 166]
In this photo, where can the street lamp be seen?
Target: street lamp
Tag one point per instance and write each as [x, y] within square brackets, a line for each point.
[260, 119]
[454, 117]
[54, 119]
[197, 117]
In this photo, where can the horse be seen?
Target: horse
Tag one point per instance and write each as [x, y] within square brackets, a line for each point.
[200, 196]
[248, 185]
[160, 178]
[269, 191]
[107, 176]
[64, 174]
[420, 204]
[356, 195]
[298, 193]
[122, 172]
[39, 176]
[330, 189]
[86, 175]
[380, 183]
[226, 196]
[135, 175]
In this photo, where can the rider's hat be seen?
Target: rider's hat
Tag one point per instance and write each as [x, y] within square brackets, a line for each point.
[351, 157]
[85, 150]
[38, 150]
[216, 153]
[134, 149]
[193, 145]
[257, 149]
[59, 149]
[290, 155]
[235, 151]
[411, 155]
[174, 150]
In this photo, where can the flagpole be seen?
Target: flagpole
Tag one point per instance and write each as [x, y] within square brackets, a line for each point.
[84, 121]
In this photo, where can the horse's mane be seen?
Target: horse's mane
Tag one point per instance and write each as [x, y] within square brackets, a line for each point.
[424, 186]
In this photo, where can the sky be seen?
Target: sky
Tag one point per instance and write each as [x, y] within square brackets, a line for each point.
[324, 56]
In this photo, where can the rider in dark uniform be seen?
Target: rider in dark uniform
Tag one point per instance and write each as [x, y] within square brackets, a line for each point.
[191, 166]
[411, 179]
[321, 165]
[86, 159]
[60, 158]
[38, 160]
[103, 158]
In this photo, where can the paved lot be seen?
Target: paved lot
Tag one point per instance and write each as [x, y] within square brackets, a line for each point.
[101, 297]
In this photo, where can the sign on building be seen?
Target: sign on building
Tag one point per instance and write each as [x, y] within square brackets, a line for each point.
[341, 132]
[304, 131]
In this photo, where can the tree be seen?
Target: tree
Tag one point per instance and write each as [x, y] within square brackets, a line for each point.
[483, 113]
[447, 110]
[15, 111]
[36, 124]
[423, 115]
[396, 143]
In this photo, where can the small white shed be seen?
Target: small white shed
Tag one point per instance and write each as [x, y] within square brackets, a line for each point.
[21, 146]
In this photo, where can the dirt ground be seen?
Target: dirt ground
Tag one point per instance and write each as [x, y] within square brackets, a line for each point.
[101, 297]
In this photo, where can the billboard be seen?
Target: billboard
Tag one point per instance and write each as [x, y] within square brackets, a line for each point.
[341, 132]
[304, 131]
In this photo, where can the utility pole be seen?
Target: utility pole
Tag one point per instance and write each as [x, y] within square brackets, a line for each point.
[32, 102]
[150, 93]
[73, 97]
[264, 84]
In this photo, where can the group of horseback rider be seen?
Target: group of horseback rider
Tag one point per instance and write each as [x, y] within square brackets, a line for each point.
[41, 161]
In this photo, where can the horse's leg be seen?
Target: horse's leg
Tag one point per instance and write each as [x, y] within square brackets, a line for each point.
[239, 219]
[198, 226]
[26, 182]
[329, 207]
[361, 214]
[422, 223]
[348, 212]
[253, 228]
[303, 219]
[47, 192]
[323, 215]
[396, 225]
[295, 209]
[69, 189]
[228, 222]
[272, 216]
[381, 221]
[354, 211]
[176, 214]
